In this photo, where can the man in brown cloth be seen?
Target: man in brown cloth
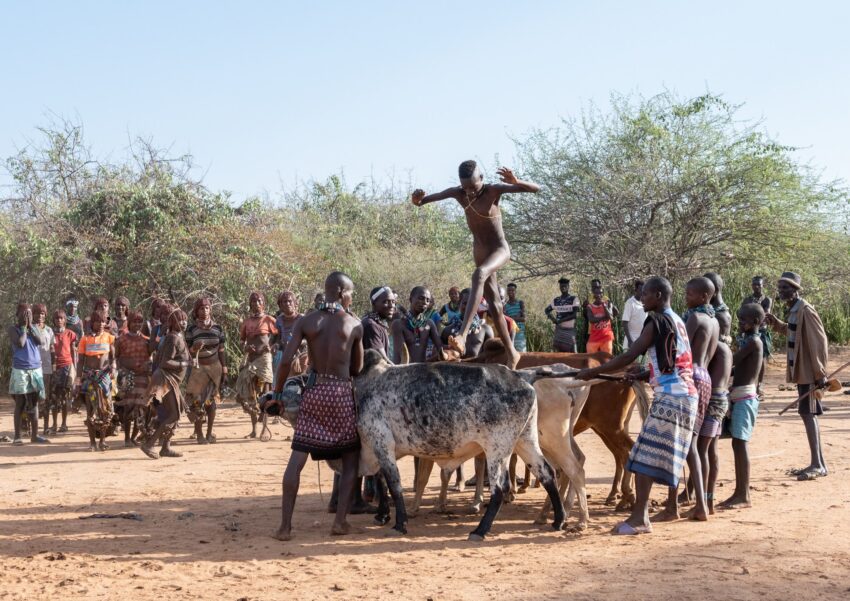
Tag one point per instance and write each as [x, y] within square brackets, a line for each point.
[327, 420]
[807, 358]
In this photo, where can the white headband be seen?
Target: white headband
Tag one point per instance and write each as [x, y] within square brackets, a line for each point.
[378, 294]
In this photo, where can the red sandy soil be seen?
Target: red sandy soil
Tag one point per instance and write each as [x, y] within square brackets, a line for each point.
[793, 542]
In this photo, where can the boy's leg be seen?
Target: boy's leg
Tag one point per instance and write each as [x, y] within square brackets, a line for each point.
[291, 482]
[670, 512]
[476, 290]
[741, 497]
[700, 511]
[211, 411]
[494, 302]
[32, 408]
[712, 473]
[350, 462]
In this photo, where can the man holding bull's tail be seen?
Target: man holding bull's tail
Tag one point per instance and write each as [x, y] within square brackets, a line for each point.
[660, 451]
[327, 420]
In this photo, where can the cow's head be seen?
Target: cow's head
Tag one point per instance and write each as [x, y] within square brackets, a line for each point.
[372, 360]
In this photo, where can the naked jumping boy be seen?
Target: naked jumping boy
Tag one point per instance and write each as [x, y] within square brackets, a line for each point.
[490, 249]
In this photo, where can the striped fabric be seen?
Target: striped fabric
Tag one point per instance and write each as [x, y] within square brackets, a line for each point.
[792, 331]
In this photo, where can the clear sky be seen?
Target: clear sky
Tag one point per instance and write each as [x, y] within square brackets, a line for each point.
[264, 94]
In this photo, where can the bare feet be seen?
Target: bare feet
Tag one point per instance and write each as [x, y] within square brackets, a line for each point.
[282, 534]
[149, 452]
[63, 428]
[736, 502]
[666, 515]
[457, 344]
[168, 452]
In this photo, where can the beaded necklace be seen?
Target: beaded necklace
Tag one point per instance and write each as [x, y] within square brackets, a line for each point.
[331, 307]
[417, 325]
[704, 309]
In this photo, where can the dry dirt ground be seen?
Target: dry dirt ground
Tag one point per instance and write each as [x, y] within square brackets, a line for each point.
[207, 519]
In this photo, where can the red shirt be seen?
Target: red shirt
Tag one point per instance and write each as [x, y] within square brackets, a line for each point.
[601, 331]
[64, 342]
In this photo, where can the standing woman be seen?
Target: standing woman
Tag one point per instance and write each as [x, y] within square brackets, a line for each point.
[122, 311]
[26, 384]
[45, 333]
[164, 391]
[256, 374]
[205, 340]
[101, 305]
[95, 371]
[515, 309]
[134, 373]
[285, 322]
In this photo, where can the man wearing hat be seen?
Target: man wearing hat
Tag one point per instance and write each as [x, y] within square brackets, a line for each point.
[807, 359]
[562, 312]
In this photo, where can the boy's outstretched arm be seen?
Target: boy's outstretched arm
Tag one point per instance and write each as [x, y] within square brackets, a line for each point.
[641, 345]
[419, 197]
[512, 184]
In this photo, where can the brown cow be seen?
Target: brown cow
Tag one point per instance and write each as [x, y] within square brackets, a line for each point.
[606, 411]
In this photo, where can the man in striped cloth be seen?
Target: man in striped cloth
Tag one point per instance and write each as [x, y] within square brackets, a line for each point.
[807, 354]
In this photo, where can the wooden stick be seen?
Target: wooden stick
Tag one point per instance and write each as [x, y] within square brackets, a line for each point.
[805, 396]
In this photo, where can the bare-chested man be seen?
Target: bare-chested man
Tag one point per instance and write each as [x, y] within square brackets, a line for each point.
[327, 420]
[702, 330]
[745, 401]
[490, 249]
[416, 329]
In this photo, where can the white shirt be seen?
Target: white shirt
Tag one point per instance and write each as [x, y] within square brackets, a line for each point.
[633, 315]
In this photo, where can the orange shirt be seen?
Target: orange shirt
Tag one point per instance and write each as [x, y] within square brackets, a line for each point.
[258, 326]
[95, 346]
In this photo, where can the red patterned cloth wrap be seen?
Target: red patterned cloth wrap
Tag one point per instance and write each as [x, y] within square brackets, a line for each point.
[327, 421]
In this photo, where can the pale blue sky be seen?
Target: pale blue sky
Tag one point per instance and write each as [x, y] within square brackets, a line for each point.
[265, 93]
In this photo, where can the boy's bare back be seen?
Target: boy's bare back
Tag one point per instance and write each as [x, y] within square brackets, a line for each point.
[703, 332]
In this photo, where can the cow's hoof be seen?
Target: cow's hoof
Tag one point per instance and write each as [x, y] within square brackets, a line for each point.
[577, 529]
[541, 520]
[413, 513]
[611, 500]
[475, 537]
[440, 509]
[558, 525]
[474, 508]
[510, 497]
[625, 504]
[382, 520]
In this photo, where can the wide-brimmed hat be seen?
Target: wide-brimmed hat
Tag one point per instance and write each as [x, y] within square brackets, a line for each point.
[793, 279]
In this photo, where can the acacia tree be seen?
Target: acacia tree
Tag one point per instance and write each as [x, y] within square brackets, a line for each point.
[663, 186]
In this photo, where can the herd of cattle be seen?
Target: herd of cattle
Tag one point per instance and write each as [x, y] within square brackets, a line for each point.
[449, 412]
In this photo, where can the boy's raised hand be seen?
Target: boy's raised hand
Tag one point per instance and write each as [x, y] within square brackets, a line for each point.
[417, 196]
[507, 176]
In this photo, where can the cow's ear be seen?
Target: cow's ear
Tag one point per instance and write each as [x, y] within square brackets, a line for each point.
[371, 359]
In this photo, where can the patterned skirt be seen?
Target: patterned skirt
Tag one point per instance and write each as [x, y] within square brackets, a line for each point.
[663, 443]
[702, 382]
[327, 421]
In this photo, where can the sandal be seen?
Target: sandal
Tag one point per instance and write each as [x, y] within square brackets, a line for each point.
[811, 475]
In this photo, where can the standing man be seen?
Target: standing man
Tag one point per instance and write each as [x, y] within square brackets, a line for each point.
[515, 309]
[758, 297]
[633, 316]
[807, 358]
[26, 384]
[562, 312]
[327, 421]
[72, 317]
